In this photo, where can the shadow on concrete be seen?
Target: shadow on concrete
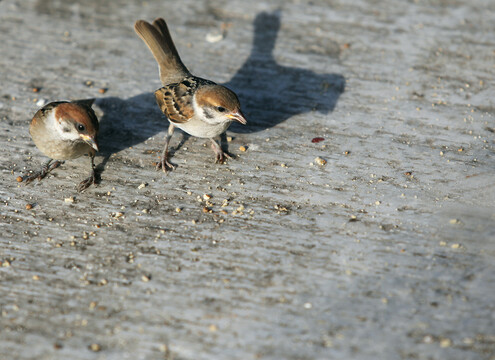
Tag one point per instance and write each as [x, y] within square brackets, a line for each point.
[270, 94]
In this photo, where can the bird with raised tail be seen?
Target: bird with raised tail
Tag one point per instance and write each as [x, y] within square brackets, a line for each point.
[197, 106]
[63, 131]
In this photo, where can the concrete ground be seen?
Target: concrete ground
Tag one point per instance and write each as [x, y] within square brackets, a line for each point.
[387, 251]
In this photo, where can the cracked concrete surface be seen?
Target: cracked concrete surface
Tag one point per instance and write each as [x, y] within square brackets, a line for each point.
[387, 251]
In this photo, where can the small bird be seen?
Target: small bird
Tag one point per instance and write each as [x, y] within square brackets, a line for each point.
[65, 130]
[197, 106]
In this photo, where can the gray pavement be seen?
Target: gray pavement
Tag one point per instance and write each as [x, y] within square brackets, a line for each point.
[387, 251]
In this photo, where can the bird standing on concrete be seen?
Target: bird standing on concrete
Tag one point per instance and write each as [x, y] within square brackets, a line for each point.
[64, 131]
[197, 106]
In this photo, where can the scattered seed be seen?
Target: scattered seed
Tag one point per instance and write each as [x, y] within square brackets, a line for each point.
[214, 37]
[317, 140]
[146, 278]
[19, 179]
[242, 148]
[444, 343]
[206, 196]
[142, 186]
[230, 138]
[36, 277]
[320, 161]
[36, 89]
[178, 209]
[69, 199]
[29, 206]
[95, 347]
[102, 90]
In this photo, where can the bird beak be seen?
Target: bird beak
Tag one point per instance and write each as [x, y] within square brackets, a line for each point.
[237, 116]
[90, 141]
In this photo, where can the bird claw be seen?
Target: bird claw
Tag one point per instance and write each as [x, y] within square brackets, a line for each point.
[86, 183]
[165, 165]
[221, 157]
[37, 175]
[40, 175]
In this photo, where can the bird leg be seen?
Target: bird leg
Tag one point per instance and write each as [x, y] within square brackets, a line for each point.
[45, 169]
[164, 164]
[91, 180]
[221, 156]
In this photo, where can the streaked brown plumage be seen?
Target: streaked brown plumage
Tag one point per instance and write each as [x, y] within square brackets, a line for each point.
[197, 106]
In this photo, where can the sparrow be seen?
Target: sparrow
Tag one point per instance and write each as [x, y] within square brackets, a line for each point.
[197, 106]
[64, 130]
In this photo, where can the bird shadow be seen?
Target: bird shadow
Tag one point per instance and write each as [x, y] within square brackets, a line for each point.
[270, 93]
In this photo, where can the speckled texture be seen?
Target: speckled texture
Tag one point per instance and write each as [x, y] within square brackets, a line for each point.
[385, 252]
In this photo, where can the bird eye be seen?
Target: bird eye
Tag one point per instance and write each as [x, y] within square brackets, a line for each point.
[221, 109]
[81, 127]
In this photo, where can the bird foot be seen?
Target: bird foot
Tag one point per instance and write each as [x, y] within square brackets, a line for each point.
[40, 175]
[221, 157]
[86, 183]
[165, 165]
